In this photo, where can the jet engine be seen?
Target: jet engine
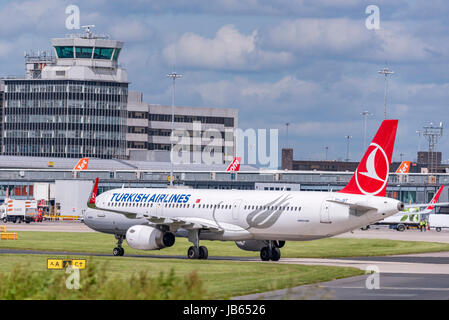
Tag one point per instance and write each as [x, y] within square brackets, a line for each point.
[251, 245]
[148, 238]
[257, 245]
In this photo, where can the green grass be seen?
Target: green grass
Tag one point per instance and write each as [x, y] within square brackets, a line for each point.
[91, 242]
[221, 279]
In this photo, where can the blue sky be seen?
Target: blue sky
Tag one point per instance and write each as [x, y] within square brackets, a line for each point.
[311, 63]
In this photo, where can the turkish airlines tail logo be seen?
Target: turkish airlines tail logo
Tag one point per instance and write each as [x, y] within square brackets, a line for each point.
[435, 198]
[371, 176]
[235, 164]
[82, 164]
[404, 167]
[93, 195]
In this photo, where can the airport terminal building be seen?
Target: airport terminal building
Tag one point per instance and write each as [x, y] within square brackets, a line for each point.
[77, 104]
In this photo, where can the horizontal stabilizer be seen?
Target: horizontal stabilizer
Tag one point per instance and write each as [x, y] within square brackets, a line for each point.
[359, 206]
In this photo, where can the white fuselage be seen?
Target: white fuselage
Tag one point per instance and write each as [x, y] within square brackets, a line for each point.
[241, 215]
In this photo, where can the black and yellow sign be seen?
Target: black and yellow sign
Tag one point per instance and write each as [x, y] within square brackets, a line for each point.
[58, 264]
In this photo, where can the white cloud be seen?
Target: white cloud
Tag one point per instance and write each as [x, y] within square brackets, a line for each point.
[229, 50]
[342, 37]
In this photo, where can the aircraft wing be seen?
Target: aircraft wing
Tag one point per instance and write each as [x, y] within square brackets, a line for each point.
[185, 223]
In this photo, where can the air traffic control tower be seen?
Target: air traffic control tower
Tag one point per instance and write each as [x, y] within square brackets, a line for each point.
[70, 105]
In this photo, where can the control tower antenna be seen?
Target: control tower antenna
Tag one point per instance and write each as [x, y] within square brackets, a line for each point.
[432, 134]
[87, 29]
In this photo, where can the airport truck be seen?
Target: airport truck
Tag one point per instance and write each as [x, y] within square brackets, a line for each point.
[439, 221]
[18, 211]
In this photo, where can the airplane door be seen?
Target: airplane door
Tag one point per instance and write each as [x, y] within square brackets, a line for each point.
[236, 209]
[324, 212]
[159, 209]
[156, 210]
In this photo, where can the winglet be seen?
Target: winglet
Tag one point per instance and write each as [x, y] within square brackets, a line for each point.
[371, 175]
[435, 198]
[93, 195]
[235, 164]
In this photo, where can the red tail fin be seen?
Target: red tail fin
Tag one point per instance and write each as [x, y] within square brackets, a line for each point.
[371, 176]
[93, 195]
[82, 164]
[404, 167]
[435, 198]
[235, 164]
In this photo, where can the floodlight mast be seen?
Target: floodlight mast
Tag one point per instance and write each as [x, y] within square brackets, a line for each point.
[172, 76]
[386, 72]
[348, 137]
[365, 115]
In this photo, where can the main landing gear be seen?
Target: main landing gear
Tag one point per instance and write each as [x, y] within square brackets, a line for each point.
[196, 251]
[119, 251]
[271, 251]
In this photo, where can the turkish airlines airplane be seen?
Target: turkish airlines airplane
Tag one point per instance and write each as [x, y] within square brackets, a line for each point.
[151, 219]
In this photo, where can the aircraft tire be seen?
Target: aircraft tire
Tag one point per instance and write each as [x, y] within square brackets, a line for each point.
[193, 252]
[275, 254]
[265, 254]
[438, 229]
[204, 253]
[118, 252]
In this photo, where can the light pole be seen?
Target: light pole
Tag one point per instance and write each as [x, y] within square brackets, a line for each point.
[386, 72]
[348, 137]
[365, 115]
[419, 133]
[326, 149]
[172, 76]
